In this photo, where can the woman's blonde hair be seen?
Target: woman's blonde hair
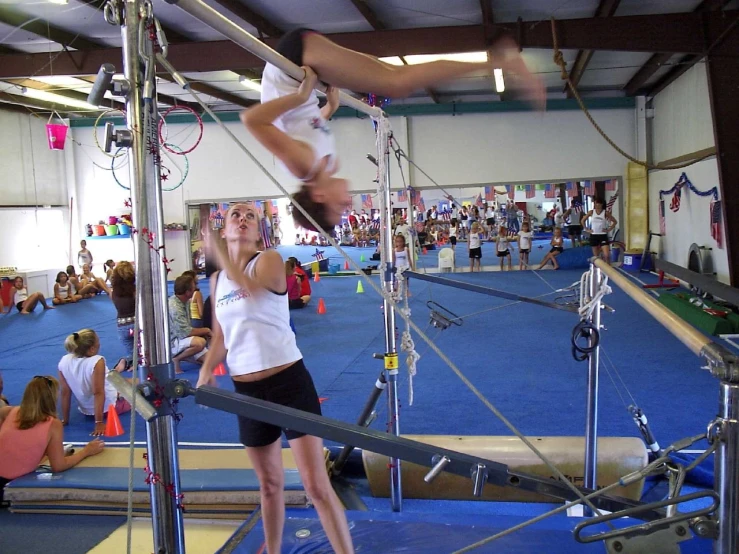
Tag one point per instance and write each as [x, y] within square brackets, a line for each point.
[79, 343]
[39, 401]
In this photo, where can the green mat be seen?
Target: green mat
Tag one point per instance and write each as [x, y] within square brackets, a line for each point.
[713, 325]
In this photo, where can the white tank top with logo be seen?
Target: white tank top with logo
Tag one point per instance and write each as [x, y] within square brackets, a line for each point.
[303, 123]
[255, 324]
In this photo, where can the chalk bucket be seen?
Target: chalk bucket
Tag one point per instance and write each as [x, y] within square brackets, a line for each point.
[56, 134]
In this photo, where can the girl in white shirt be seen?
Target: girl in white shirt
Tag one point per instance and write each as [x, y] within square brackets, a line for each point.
[82, 374]
[290, 125]
[601, 223]
[64, 291]
[474, 246]
[25, 303]
[524, 245]
[402, 258]
[251, 331]
[501, 247]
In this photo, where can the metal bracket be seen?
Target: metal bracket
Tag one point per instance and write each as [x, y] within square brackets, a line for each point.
[441, 318]
[662, 541]
[122, 139]
[626, 535]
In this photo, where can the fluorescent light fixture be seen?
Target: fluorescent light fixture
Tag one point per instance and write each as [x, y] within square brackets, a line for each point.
[58, 1]
[56, 98]
[499, 82]
[248, 83]
[469, 57]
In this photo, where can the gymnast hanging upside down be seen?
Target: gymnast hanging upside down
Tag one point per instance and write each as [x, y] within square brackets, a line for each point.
[291, 126]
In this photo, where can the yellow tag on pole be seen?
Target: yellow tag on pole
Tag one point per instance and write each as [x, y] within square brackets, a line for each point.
[391, 361]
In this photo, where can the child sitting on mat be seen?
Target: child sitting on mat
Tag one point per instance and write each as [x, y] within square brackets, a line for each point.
[32, 431]
[291, 126]
[557, 243]
[25, 303]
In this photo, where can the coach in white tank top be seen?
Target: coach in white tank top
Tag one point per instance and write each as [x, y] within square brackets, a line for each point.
[602, 222]
[252, 333]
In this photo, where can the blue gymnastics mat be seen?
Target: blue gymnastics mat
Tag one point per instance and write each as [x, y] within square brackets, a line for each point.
[381, 533]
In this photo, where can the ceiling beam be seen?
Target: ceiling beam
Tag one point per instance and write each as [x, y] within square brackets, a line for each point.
[172, 35]
[64, 93]
[20, 100]
[204, 88]
[44, 29]
[374, 21]
[606, 8]
[656, 61]
[259, 22]
[679, 33]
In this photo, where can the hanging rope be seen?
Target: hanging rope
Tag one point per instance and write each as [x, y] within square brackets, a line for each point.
[560, 61]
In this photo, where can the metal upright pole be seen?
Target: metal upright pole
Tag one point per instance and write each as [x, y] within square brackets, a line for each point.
[391, 354]
[591, 414]
[155, 367]
[727, 469]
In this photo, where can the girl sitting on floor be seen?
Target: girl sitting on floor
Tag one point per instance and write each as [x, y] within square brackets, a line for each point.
[31, 431]
[82, 374]
[64, 290]
[25, 303]
[291, 126]
[557, 243]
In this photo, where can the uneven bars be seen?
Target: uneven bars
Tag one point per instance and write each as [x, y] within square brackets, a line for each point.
[200, 10]
[685, 333]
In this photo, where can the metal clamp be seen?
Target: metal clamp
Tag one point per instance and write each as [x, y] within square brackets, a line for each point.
[441, 318]
[122, 139]
[649, 527]
[715, 430]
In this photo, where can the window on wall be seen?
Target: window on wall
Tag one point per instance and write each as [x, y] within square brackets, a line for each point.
[35, 239]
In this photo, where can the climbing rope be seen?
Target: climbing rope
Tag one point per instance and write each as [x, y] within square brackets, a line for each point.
[560, 61]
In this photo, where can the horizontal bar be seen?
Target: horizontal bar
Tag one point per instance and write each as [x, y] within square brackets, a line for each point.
[487, 290]
[200, 10]
[683, 331]
[703, 282]
[397, 447]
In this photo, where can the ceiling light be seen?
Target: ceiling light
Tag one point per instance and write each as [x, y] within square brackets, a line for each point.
[469, 57]
[499, 82]
[248, 83]
[58, 1]
[57, 99]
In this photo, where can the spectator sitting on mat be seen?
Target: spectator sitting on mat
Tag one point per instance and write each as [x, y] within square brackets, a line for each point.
[186, 341]
[109, 267]
[87, 279]
[82, 374]
[196, 302]
[24, 302]
[302, 276]
[296, 300]
[31, 431]
[64, 290]
[557, 243]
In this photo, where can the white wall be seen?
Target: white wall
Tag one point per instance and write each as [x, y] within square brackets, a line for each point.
[31, 175]
[683, 124]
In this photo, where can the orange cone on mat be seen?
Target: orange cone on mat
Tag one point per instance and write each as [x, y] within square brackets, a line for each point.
[321, 307]
[346, 265]
[220, 370]
[316, 277]
[113, 427]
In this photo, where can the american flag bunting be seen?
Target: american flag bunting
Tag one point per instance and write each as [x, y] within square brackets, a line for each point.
[716, 227]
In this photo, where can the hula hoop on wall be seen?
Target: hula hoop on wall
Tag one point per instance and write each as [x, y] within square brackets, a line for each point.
[162, 169]
[163, 138]
[95, 130]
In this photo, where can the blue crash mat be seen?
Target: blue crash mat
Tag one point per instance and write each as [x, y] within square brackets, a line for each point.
[116, 479]
[414, 533]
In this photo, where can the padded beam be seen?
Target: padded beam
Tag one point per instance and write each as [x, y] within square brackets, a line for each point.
[616, 457]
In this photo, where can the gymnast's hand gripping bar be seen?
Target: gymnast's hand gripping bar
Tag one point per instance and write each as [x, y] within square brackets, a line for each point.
[200, 10]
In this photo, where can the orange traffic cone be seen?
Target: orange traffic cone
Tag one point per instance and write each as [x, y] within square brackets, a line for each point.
[220, 370]
[316, 277]
[346, 265]
[113, 427]
[321, 307]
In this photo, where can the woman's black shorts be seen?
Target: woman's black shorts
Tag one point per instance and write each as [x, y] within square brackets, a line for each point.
[574, 230]
[503, 253]
[476, 253]
[599, 240]
[292, 387]
[291, 45]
